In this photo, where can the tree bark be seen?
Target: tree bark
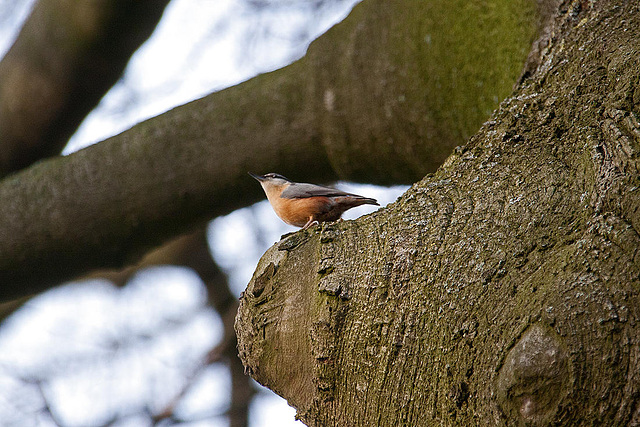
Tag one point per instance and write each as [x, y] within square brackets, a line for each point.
[373, 100]
[66, 57]
[502, 290]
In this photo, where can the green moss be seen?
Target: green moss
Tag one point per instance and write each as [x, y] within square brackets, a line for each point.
[399, 84]
[468, 55]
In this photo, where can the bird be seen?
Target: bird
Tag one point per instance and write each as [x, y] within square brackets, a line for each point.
[304, 205]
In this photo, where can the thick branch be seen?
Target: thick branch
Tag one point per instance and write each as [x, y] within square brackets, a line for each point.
[68, 54]
[105, 205]
[403, 82]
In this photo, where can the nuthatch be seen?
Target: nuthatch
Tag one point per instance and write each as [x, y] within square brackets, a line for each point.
[304, 205]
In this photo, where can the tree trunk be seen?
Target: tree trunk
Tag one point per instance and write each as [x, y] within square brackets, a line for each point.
[503, 289]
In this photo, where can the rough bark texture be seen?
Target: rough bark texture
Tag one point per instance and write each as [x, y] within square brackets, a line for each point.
[68, 54]
[502, 290]
[372, 101]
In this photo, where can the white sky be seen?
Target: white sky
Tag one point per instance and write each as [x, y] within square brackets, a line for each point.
[87, 337]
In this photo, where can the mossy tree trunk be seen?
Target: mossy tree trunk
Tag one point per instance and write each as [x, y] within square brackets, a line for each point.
[502, 290]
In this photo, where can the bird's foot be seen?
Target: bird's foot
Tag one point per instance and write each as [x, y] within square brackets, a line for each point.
[311, 223]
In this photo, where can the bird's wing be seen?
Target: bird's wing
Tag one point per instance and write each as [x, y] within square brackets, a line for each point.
[300, 191]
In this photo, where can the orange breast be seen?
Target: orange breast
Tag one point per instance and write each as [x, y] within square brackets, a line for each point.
[298, 211]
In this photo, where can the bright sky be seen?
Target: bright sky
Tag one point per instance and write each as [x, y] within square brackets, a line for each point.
[86, 339]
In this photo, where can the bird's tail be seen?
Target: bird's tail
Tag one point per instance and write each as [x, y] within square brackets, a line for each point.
[366, 201]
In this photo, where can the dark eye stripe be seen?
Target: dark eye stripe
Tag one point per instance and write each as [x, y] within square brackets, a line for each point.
[276, 175]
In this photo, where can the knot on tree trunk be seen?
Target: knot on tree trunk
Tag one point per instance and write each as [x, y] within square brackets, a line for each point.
[534, 377]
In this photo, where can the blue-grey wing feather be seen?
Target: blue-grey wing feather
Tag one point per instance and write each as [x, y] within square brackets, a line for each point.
[303, 190]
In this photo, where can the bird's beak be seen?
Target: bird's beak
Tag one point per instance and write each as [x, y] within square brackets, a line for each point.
[258, 177]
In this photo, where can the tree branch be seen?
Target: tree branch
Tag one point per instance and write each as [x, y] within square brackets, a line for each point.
[67, 56]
